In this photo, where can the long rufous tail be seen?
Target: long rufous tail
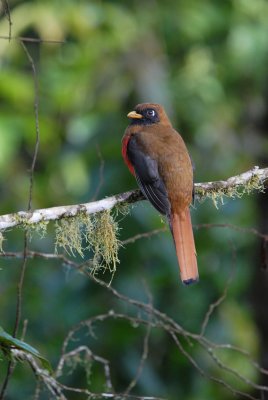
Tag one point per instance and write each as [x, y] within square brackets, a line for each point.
[181, 228]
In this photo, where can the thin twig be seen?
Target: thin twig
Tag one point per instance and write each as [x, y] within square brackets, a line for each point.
[145, 235]
[237, 228]
[161, 320]
[37, 391]
[8, 15]
[145, 350]
[24, 329]
[29, 207]
[101, 170]
[37, 129]
[9, 372]
[90, 356]
[205, 375]
[11, 364]
[217, 303]
[36, 254]
[32, 40]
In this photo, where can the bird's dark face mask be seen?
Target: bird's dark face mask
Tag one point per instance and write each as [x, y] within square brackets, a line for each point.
[145, 116]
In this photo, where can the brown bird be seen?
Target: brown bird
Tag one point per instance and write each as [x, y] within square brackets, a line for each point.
[157, 156]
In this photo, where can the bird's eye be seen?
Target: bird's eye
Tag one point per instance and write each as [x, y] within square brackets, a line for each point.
[150, 113]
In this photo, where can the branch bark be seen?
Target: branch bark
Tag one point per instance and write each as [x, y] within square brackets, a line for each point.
[246, 182]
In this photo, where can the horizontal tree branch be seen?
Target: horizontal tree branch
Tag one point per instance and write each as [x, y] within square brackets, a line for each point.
[246, 182]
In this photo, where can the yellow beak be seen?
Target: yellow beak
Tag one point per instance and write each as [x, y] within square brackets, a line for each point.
[133, 114]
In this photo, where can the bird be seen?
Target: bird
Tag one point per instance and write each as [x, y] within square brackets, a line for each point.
[156, 155]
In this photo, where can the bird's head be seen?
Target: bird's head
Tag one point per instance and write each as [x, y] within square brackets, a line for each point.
[147, 114]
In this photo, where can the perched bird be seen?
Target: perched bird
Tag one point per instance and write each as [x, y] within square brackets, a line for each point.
[157, 156]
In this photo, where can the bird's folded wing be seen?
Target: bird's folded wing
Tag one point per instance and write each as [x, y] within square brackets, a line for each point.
[148, 178]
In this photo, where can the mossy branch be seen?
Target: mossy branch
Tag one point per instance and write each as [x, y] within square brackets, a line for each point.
[235, 186]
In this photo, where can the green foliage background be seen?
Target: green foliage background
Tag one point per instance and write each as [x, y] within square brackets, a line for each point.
[206, 62]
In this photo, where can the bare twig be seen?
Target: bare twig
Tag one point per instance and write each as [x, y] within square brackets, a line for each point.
[37, 254]
[145, 352]
[170, 329]
[31, 40]
[218, 302]
[101, 170]
[24, 329]
[237, 228]
[145, 235]
[9, 372]
[211, 309]
[144, 356]
[51, 384]
[56, 213]
[37, 129]
[37, 389]
[23, 268]
[205, 375]
[11, 364]
[8, 15]
[157, 319]
[90, 356]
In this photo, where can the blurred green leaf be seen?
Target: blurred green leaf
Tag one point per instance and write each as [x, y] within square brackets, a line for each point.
[7, 342]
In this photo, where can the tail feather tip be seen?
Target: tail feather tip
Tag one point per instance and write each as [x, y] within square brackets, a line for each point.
[190, 281]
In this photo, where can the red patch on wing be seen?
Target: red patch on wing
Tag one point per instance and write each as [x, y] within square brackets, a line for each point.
[124, 154]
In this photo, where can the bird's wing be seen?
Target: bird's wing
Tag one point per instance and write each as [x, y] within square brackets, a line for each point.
[147, 176]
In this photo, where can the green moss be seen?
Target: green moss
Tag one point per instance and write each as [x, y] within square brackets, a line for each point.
[69, 235]
[97, 232]
[122, 208]
[217, 194]
[39, 228]
[104, 242]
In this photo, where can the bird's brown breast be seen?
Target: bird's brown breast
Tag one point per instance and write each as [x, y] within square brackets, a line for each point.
[163, 144]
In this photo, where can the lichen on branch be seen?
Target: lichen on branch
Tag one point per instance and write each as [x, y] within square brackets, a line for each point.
[92, 227]
[235, 186]
[97, 233]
